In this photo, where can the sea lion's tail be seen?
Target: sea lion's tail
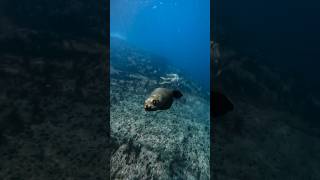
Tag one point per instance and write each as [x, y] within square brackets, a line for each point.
[220, 104]
[177, 94]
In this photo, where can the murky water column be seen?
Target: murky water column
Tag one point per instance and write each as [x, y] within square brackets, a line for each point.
[163, 144]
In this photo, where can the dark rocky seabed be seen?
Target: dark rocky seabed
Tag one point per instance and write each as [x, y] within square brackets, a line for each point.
[53, 115]
[273, 133]
[170, 144]
[53, 91]
[270, 134]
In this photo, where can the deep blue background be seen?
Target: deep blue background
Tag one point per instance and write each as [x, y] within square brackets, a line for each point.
[177, 30]
[286, 32]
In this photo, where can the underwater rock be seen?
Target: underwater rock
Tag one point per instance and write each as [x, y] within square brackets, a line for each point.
[46, 99]
[165, 145]
[266, 136]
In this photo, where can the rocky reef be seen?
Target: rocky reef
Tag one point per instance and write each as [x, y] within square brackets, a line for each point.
[172, 144]
[53, 96]
[52, 107]
[272, 132]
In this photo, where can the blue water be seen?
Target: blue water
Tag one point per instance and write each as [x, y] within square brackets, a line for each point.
[176, 30]
[286, 31]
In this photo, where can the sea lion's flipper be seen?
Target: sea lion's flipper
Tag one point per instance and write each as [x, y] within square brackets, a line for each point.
[220, 104]
[177, 94]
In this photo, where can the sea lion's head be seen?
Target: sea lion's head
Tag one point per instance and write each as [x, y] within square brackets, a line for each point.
[152, 103]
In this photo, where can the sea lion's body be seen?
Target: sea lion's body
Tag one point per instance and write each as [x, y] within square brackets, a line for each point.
[161, 99]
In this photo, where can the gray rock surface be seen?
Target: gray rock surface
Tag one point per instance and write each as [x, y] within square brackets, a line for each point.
[52, 109]
[171, 144]
[272, 133]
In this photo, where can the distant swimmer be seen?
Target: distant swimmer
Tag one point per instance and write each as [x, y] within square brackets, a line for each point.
[161, 99]
[215, 51]
[215, 55]
[174, 80]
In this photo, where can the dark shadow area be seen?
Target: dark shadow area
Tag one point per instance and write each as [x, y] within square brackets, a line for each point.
[268, 68]
[54, 89]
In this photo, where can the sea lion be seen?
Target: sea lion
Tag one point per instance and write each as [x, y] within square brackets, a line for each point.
[220, 104]
[161, 99]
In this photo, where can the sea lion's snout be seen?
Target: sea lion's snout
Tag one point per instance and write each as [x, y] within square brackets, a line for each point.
[149, 105]
[147, 108]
